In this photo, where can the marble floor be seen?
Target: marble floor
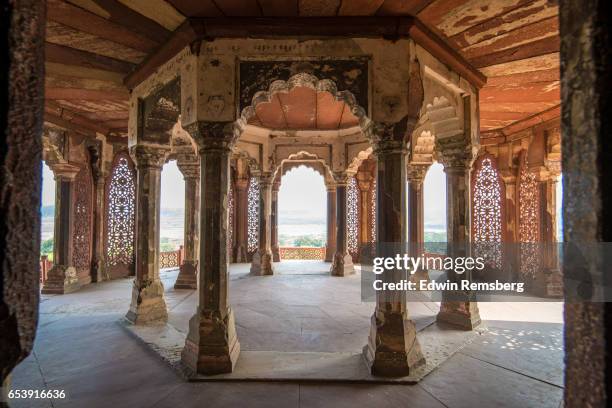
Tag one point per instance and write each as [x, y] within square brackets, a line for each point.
[80, 348]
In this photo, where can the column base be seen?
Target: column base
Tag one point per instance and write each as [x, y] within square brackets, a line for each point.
[61, 279]
[276, 254]
[342, 265]
[240, 254]
[211, 346]
[98, 274]
[188, 276]
[393, 349]
[148, 304]
[262, 264]
[463, 315]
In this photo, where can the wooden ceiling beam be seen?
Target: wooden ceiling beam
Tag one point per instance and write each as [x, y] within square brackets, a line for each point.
[86, 94]
[125, 16]
[313, 27]
[403, 7]
[70, 56]
[68, 119]
[201, 8]
[87, 22]
[537, 48]
[279, 8]
[524, 124]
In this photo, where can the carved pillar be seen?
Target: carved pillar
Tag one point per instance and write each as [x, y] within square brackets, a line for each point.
[211, 346]
[262, 259]
[393, 348]
[330, 248]
[241, 220]
[148, 303]
[274, 221]
[342, 264]
[416, 214]
[457, 164]
[99, 216]
[62, 278]
[549, 281]
[190, 168]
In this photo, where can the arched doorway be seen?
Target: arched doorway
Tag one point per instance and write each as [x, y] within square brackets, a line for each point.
[302, 204]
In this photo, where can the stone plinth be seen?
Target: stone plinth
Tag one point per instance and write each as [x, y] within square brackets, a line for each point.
[61, 279]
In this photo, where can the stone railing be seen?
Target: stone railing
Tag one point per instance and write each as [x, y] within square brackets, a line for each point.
[313, 253]
[171, 259]
[45, 266]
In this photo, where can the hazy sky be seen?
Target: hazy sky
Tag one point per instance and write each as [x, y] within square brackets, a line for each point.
[48, 190]
[172, 187]
[302, 190]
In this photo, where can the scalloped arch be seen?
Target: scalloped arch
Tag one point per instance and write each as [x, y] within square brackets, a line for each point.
[303, 102]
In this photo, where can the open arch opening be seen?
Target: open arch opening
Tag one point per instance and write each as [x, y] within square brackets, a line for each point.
[302, 220]
[47, 215]
[434, 198]
[172, 216]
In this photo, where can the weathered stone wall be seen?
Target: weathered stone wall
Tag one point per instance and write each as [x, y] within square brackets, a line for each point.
[586, 61]
[22, 33]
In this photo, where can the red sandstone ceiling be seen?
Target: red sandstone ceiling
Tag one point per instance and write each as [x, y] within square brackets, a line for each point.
[92, 45]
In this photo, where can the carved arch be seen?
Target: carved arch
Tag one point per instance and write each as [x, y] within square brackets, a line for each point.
[356, 161]
[309, 81]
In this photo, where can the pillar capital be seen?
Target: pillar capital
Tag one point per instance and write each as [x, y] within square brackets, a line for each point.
[455, 153]
[415, 173]
[266, 179]
[213, 135]
[189, 165]
[241, 183]
[149, 156]
[65, 171]
[341, 178]
[391, 137]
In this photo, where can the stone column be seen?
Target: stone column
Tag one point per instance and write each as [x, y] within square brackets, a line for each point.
[457, 165]
[416, 214]
[549, 281]
[190, 168]
[148, 303]
[262, 259]
[62, 278]
[98, 259]
[241, 203]
[342, 264]
[98, 167]
[211, 346]
[330, 249]
[393, 348]
[274, 219]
